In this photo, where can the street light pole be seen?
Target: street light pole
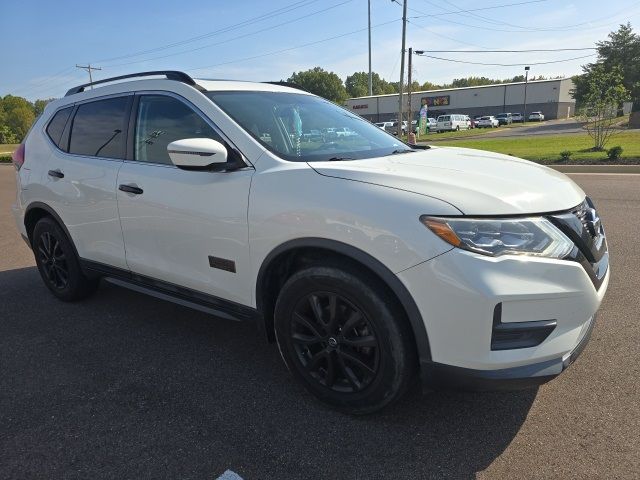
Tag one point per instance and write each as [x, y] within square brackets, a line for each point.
[400, 85]
[409, 78]
[526, 81]
[370, 77]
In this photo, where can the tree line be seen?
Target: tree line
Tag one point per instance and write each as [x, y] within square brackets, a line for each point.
[330, 86]
[17, 114]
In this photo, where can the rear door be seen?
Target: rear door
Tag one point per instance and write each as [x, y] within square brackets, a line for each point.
[82, 172]
[187, 228]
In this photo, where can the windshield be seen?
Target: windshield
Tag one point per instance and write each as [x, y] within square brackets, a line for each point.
[306, 128]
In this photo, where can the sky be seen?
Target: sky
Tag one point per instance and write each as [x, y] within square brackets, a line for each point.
[269, 40]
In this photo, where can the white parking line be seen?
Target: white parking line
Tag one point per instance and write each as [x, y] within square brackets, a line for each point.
[229, 475]
[608, 174]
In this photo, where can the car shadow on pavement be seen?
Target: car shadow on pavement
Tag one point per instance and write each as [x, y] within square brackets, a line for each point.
[126, 386]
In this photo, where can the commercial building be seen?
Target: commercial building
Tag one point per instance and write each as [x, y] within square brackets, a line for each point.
[551, 97]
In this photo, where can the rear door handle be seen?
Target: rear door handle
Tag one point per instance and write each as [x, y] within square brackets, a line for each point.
[56, 174]
[131, 189]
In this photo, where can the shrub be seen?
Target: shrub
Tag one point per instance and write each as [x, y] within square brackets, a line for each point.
[565, 155]
[5, 158]
[614, 153]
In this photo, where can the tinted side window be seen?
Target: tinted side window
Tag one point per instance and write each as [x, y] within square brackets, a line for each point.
[99, 128]
[57, 124]
[161, 120]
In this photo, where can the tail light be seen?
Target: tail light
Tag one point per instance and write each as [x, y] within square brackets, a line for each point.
[18, 156]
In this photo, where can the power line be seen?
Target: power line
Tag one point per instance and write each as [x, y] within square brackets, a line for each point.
[254, 32]
[506, 64]
[448, 12]
[509, 51]
[453, 39]
[524, 29]
[244, 23]
[88, 68]
[304, 45]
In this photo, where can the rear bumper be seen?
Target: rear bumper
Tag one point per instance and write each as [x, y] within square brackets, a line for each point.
[436, 375]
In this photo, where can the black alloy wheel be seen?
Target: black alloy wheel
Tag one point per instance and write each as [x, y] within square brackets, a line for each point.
[58, 262]
[53, 260]
[345, 337]
[335, 342]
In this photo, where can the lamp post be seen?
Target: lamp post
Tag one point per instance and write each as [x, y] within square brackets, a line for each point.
[402, 54]
[526, 80]
[370, 74]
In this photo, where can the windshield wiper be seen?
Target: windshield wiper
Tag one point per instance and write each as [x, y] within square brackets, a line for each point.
[397, 152]
[338, 159]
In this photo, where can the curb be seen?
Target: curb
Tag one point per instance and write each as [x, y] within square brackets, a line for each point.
[596, 168]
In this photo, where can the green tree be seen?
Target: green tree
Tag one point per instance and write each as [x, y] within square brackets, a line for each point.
[17, 115]
[430, 86]
[322, 83]
[620, 51]
[38, 106]
[602, 90]
[357, 85]
[19, 120]
[6, 136]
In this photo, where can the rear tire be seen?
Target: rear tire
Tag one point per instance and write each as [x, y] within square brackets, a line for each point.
[343, 336]
[58, 263]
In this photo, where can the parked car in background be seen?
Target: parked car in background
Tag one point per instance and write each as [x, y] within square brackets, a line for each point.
[393, 128]
[517, 117]
[536, 117]
[383, 125]
[488, 121]
[432, 124]
[469, 121]
[447, 123]
[504, 118]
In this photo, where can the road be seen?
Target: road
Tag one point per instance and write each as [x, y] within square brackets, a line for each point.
[550, 127]
[126, 386]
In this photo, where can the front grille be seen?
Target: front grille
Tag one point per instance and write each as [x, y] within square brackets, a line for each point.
[583, 226]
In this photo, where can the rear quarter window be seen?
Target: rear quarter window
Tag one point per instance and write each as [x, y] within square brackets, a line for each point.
[57, 124]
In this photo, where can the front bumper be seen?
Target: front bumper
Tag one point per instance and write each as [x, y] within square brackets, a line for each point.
[514, 378]
[457, 294]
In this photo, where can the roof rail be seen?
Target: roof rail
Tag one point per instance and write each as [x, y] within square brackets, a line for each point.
[289, 84]
[170, 74]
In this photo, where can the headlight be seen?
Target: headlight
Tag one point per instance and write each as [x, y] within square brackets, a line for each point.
[502, 236]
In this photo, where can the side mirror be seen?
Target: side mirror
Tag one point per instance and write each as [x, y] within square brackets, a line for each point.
[197, 153]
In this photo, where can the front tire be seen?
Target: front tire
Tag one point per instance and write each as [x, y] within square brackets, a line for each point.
[344, 338]
[58, 263]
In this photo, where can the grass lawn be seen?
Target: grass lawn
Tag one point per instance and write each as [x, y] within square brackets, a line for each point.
[547, 148]
[7, 148]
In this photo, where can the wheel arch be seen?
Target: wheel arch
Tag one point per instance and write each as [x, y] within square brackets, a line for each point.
[283, 259]
[38, 210]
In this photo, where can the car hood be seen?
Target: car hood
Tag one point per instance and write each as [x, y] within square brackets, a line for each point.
[476, 182]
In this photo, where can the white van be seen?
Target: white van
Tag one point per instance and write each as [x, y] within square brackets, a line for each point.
[452, 122]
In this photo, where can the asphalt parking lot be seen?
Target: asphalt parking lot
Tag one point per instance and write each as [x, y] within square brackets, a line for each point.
[126, 386]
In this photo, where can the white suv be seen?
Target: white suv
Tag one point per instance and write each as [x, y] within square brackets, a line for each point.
[367, 260]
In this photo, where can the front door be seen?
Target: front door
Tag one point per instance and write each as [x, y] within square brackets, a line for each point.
[188, 228]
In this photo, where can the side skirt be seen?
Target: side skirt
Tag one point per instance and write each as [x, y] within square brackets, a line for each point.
[170, 292]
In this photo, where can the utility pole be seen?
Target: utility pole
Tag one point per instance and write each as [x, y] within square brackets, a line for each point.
[526, 81]
[370, 74]
[410, 116]
[400, 85]
[88, 68]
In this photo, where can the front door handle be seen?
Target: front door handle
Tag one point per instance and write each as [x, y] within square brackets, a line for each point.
[56, 174]
[131, 189]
